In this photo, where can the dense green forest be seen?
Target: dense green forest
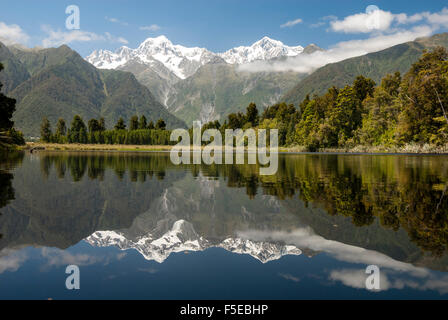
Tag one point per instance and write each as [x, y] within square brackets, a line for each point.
[139, 132]
[402, 109]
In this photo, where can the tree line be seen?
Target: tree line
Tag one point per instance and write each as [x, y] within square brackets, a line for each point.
[140, 132]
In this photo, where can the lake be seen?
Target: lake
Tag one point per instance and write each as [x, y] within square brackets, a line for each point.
[138, 226]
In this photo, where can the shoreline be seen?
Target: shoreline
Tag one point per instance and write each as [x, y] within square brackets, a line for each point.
[358, 150]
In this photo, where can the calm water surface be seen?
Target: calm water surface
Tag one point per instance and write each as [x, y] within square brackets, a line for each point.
[140, 227]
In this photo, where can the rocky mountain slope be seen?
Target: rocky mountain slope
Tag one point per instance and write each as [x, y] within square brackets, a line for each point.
[194, 83]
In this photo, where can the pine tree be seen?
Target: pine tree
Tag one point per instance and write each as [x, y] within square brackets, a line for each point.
[160, 125]
[133, 124]
[102, 124]
[76, 127]
[61, 127]
[142, 124]
[45, 130]
[120, 125]
[252, 114]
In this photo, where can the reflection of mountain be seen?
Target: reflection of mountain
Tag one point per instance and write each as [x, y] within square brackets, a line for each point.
[61, 206]
[382, 204]
[182, 237]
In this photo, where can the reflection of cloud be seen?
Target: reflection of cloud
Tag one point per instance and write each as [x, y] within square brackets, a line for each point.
[121, 255]
[57, 257]
[288, 276]
[392, 272]
[305, 238]
[148, 270]
[357, 278]
[389, 280]
[11, 260]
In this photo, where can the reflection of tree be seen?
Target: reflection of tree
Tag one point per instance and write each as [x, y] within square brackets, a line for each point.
[402, 192]
[7, 160]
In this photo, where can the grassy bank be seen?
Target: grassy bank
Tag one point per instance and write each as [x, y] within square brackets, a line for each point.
[92, 147]
[409, 148]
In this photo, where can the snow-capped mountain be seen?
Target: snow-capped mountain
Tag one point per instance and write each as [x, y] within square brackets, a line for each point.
[183, 237]
[264, 49]
[184, 61]
[180, 60]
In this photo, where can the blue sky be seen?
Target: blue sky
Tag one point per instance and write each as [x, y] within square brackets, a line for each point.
[213, 24]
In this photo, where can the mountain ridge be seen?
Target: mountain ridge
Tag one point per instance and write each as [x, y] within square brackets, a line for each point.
[185, 61]
[58, 82]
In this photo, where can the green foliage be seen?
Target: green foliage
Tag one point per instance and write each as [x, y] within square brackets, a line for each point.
[424, 95]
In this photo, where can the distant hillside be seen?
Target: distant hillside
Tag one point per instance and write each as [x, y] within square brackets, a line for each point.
[58, 82]
[373, 65]
[218, 89]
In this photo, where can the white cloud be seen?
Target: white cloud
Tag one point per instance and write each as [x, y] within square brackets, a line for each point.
[364, 22]
[12, 34]
[57, 37]
[153, 27]
[382, 21]
[306, 63]
[323, 21]
[115, 20]
[291, 23]
[437, 19]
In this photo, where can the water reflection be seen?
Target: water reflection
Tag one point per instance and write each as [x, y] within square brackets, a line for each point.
[401, 191]
[7, 161]
[359, 210]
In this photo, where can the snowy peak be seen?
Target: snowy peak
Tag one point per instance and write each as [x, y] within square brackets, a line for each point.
[264, 49]
[180, 60]
[185, 61]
